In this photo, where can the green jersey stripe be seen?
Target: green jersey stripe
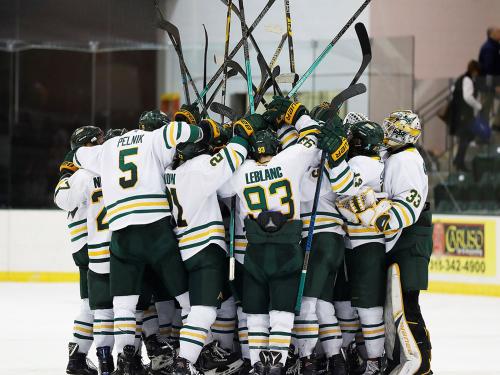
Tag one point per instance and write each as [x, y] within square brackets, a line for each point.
[74, 239]
[211, 238]
[165, 137]
[75, 223]
[200, 227]
[340, 175]
[135, 197]
[408, 207]
[400, 222]
[228, 158]
[351, 182]
[138, 212]
[98, 245]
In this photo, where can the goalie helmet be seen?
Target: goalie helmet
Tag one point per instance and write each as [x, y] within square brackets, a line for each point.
[352, 118]
[266, 143]
[365, 138]
[85, 135]
[111, 133]
[152, 120]
[401, 127]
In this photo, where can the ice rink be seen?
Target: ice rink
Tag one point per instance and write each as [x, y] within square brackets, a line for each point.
[37, 320]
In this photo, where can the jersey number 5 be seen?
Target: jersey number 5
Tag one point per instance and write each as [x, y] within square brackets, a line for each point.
[129, 167]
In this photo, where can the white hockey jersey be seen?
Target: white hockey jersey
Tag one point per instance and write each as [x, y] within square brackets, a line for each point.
[273, 186]
[348, 178]
[407, 186]
[132, 168]
[84, 191]
[192, 190]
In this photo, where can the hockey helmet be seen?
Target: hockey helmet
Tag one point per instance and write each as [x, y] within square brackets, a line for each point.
[266, 143]
[401, 128]
[190, 150]
[152, 120]
[365, 138]
[111, 133]
[86, 134]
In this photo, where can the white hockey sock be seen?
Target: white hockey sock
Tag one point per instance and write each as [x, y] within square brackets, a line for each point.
[124, 327]
[243, 333]
[305, 327]
[166, 311]
[150, 323]
[281, 323]
[330, 335]
[139, 316]
[223, 328]
[348, 320]
[82, 327]
[372, 325]
[103, 328]
[176, 324]
[258, 335]
[195, 330]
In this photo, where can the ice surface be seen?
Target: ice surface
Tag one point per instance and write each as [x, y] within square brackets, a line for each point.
[37, 321]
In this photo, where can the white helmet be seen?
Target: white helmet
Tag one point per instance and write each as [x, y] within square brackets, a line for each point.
[354, 117]
[401, 127]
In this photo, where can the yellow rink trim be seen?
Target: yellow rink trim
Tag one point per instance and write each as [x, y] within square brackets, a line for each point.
[492, 290]
[39, 277]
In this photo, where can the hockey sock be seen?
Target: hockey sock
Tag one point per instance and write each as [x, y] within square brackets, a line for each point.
[223, 328]
[124, 327]
[150, 323]
[258, 335]
[195, 330]
[183, 301]
[305, 327]
[348, 320]
[176, 324]
[330, 335]
[103, 328]
[281, 323]
[139, 316]
[372, 325]
[82, 328]
[243, 333]
[166, 311]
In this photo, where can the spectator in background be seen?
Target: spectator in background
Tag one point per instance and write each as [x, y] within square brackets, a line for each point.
[489, 61]
[464, 107]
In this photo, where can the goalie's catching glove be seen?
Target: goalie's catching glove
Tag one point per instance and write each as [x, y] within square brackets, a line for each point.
[377, 216]
[351, 206]
[333, 140]
[249, 125]
[283, 111]
[188, 113]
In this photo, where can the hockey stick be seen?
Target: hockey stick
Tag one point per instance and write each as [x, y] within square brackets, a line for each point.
[205, 64]
[277, 52]
[260, 95]
[224, 79]
[224, 110]
[328, 48]
[236, 48]
[287, 78]
[291, 53]
[366, 50]
[351, 91]
[240, 14]
[230, 73]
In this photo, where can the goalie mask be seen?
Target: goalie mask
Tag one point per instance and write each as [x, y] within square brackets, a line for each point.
[401, 128]
[266, 143]
[152, 120]
[85, 135]
[365, 138]
[352, 118]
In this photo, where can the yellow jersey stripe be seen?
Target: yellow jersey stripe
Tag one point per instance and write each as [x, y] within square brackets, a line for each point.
[78, 230]
[192, 334]
[203, 234]
[171, 133]
[135, 205]
[343, 183]
[97, 253]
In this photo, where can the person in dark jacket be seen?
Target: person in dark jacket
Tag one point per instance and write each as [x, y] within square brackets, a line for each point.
[464, 106]
[489, 61]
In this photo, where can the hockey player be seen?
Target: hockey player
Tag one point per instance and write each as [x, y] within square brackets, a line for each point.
[269, 194]
[78, 192]
[131, 169]
[192, 190]
[406, 221]
[365, 257]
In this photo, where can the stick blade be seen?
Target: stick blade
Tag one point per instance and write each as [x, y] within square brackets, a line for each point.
[348, 93]
[364, 40]
[287, 78]
[223, 110]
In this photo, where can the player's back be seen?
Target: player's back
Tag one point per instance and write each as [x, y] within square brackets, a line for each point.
[132, 178]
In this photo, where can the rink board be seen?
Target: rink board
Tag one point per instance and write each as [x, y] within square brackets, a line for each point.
[34, 248]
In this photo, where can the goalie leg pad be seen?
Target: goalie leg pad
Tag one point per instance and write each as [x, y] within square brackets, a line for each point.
[397, 329]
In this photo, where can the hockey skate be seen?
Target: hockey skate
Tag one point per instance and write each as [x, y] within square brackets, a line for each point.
[215, 360]
[106, 364]
[246, 368]
[129, 363]
[374, 367]
[183, 367]
[355, 363]
[292, 365]
[337, 365]
[78, 363]
[321, 365]
[160, 354]
[258, 369]
[274, 365]
[308, 365]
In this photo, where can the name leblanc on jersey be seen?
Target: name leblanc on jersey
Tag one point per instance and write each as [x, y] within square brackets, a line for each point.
[263, 175]
[127, 141]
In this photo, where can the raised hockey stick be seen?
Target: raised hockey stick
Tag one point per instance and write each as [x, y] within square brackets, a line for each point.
[366, 50]
[205, 55]
[230, 73]
[240, 14]
[224, 79]
[328, 48]
[224, 110]
[291, 53]
[259, 98]
[274, 59]
[287, 78]
[237, 47]
[350, 92]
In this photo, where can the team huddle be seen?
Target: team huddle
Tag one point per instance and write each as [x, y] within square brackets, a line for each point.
[190, 237]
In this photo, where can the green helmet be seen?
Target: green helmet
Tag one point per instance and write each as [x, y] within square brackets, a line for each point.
[152, 120]
[265, 143]
[365, 138]
[111, 133]
[190, 150]
[86, 134]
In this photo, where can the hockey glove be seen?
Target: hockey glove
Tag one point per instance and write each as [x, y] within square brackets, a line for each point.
[377, 216]
[211, 132]
[67, 167]
[250, 124]
[333, 140]
[344, 207]
[322, 112]
[283, 111]
[188, 113]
